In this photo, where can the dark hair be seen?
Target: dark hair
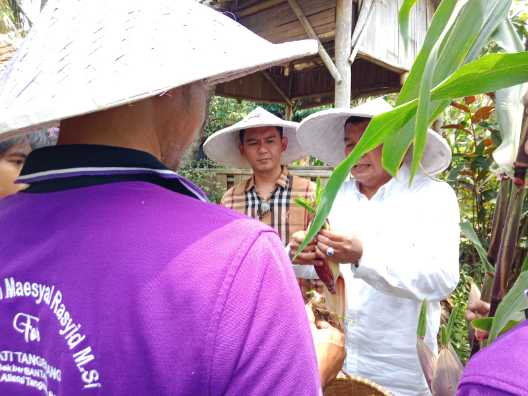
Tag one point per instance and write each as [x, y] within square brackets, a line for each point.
[35, 140]
[356, 120]
[242, 132]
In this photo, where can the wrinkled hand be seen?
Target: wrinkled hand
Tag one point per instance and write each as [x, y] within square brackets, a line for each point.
[308, 255]
[329, 347]
[346, 249]
[478, 309]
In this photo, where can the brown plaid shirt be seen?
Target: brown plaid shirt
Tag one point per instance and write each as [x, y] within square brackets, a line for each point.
[284, 215]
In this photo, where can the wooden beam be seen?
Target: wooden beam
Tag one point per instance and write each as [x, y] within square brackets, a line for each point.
[311, 33]
[343, 43]
[361, 24]
[262, 6]
[277, 88]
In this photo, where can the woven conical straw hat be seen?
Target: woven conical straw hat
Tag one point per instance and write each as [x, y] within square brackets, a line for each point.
[223, 145]
[84, 56]
[350, 385]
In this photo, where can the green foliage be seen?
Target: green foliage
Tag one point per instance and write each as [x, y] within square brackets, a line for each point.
[202, 174]
[459, 328]
[469, 233]
[511, 308]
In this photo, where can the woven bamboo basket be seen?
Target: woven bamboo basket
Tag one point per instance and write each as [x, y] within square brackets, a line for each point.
[350, 385]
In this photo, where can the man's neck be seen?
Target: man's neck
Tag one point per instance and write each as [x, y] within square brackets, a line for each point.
[369, 190]
[265, 181]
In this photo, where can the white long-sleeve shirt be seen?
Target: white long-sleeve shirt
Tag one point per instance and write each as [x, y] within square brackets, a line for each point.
[410, 238]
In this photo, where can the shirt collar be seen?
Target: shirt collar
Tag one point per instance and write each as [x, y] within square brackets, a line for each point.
[395, 183]
[282, 181]
[72, 161]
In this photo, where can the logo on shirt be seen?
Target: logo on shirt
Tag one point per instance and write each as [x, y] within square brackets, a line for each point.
[27, 325]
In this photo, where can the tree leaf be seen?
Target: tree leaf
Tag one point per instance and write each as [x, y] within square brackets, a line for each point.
[470, 99]
[488, 73]
[511, 307]
[482, 114]
[467, 230]
[483, 324]
[460, 106]
[405, 11]
[525, 264]
[453, 126]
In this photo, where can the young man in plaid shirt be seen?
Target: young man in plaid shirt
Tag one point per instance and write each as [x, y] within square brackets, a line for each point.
[266, 144]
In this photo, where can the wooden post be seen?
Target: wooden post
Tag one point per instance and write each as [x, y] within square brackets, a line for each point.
[327, 60]
[343, 44]
[289, 112]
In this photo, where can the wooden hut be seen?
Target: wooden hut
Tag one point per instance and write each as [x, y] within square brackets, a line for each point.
[361, 51]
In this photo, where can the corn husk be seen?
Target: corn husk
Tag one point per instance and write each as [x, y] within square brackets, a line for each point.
[427, 360]
[447, 372]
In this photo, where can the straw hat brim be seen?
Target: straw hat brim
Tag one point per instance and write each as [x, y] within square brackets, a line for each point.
[78, 60]
[322, 135]
[223, 146]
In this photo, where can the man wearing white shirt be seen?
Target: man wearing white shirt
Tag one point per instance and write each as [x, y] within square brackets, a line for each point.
[397, 242]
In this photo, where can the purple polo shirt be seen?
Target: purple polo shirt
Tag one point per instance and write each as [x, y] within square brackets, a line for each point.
[111, 286]
[500, 369]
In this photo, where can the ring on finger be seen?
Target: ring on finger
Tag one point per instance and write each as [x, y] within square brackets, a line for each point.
[330, 251]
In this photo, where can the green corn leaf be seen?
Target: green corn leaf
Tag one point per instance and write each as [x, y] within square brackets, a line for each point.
[304, 203]
[483, 324]
[469, 33]
[467, 230]
[461, 38]
[422, 320]
[498, 12]
[486, 74]
[511, 308]
[405, 12]
[439, 23]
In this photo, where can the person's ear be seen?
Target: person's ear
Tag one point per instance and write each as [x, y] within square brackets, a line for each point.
[284, 142]
[241, 148]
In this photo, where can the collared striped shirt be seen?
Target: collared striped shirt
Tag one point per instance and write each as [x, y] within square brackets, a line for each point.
[280, 211]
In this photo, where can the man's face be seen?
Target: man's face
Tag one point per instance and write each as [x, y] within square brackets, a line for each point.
[368, 171]
[11, 163]
[263, 148]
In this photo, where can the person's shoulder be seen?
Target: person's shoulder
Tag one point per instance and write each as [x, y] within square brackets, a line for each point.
[236, 190]
[502, 365]
[430, 185]
[303, 185]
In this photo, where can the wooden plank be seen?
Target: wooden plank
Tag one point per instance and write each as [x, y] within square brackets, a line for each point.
[259, 7]
[277, 88]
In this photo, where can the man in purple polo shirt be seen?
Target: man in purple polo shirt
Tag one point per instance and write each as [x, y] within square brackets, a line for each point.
[116, 277]
[500, 369]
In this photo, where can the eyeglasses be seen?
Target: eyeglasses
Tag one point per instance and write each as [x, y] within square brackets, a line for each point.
[263, 209]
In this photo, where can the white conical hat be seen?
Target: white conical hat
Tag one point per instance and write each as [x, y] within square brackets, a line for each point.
[223, 145]
[84, 56]
[322, 135]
